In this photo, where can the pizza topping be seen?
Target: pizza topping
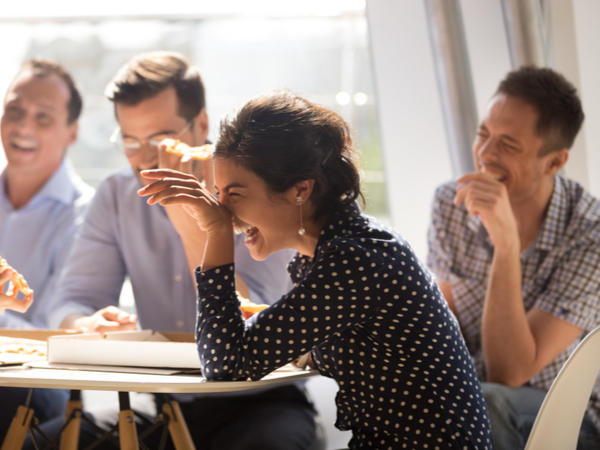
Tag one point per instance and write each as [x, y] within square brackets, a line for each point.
[177, 147]
[22, 346]
[249, 308]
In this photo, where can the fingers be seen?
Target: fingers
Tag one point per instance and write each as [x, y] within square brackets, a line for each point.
[157, 174]
[111, 319]
[9, 302]
[477, 176]
[480, 185]
[114, 314]
[475, 190]
[164, 161]
[164, 183]
[106, 326]
[208, 175]
[6, 275]
[175, 195]
[183, 199]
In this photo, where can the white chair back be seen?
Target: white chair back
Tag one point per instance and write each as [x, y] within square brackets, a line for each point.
[558, 423]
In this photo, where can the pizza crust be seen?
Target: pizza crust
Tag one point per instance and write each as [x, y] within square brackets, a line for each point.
[177, 147]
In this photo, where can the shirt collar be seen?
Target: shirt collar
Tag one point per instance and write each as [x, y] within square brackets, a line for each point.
[342, 224]
[59, 187]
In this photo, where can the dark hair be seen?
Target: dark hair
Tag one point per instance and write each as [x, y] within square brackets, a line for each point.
[560, 114]
[285, 139]
[44, 68]
[147, 74]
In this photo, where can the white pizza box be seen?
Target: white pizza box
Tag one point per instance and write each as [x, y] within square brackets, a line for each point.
[144, 348]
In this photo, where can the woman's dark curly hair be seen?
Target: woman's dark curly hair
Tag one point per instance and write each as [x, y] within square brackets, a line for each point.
[285, 139]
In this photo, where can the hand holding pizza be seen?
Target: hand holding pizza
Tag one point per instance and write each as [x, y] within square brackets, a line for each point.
[18, 284]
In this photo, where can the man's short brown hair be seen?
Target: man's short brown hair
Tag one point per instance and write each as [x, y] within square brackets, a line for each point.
[42, 68]
[560, 114]
[148, 74]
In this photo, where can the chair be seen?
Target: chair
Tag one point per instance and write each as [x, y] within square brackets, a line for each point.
[558, 423]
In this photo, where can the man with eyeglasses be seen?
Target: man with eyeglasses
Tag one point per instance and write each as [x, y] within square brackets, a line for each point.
[156, 96]
[42, 202]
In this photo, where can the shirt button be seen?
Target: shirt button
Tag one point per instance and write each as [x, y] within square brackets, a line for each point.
[180, 323]
[178, 277]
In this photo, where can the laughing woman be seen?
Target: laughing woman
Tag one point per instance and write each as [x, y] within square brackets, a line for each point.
[363, 305]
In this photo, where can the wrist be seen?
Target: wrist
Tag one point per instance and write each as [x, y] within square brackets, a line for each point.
[508, 248]
[74, 322]
[221, 230]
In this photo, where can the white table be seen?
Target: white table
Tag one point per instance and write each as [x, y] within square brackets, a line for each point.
[124, 383]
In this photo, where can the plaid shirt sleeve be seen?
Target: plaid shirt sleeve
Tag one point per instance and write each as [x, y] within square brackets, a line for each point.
[573, 290]
[439, 258]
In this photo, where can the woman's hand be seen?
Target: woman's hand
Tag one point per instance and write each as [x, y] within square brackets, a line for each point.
[178, 188]
[11, 301]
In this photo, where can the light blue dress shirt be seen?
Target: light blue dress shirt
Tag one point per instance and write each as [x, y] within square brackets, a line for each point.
[124, 236]
[36, 238]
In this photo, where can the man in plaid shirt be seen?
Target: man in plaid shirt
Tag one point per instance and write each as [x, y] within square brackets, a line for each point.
[516, 251]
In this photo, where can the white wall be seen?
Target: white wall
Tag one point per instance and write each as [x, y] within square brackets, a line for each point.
[587, 29]
[412, 130]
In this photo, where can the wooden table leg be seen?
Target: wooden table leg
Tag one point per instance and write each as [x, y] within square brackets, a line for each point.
[127, 431]
[18, 429]
[177, 427]
[70, 435]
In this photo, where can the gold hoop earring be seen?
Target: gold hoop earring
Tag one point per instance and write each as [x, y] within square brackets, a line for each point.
[301, 231]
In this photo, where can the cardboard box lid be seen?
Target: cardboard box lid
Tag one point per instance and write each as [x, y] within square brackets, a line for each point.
[37, 335]
[145, 348]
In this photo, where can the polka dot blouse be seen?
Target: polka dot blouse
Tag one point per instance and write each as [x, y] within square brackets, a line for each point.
[375, 321]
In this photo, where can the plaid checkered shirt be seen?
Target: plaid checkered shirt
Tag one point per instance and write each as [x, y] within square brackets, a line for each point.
[560, 270]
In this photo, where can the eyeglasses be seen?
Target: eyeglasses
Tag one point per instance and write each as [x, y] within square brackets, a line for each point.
[131, 146]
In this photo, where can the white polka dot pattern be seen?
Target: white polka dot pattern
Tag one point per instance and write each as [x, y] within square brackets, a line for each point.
[376, 322]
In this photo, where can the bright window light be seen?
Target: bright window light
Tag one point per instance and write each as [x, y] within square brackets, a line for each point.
[360, 98]
[38, 9]
[342, 98]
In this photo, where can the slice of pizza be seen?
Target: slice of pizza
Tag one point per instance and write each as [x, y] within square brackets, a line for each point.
[249, 308]
[177, 147]
[22, 346]
[19, 283]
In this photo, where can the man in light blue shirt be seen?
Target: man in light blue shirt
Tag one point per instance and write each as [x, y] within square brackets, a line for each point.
[42, 202]
[157, 96]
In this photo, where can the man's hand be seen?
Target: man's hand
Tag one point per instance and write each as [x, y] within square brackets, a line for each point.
[304, 361]
[110, 318]
[486, 197]
[10, 301]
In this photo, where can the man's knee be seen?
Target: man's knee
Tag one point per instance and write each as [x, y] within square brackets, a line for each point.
[498, 398]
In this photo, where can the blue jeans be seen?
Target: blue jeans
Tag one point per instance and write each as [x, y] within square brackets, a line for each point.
[513, 412]
[47, 404]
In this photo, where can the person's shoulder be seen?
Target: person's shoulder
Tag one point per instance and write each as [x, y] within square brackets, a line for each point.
[84, 193]
[446, 192]
[122, 181]
[367, 235]
[585, 216]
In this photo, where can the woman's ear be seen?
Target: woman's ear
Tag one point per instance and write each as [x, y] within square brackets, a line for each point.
[303, 190]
